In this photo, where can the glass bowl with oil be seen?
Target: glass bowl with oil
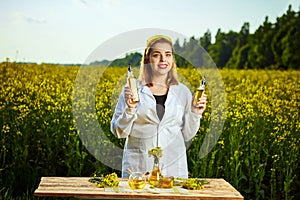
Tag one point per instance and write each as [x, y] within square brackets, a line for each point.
[137, 181]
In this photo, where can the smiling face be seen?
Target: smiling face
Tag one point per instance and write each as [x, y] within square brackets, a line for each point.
[161, 58]
[158, 62]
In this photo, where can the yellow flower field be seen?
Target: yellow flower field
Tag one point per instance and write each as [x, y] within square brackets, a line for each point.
[258, 151]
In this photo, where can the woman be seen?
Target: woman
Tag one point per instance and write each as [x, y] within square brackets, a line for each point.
[163, 117]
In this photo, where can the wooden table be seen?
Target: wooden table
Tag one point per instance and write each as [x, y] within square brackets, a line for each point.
[80, 187]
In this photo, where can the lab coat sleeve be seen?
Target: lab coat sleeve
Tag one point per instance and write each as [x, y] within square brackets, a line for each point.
[191, 121]
[123, 118]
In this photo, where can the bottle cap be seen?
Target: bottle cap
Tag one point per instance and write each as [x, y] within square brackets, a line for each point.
[203, 81]
[129, 68]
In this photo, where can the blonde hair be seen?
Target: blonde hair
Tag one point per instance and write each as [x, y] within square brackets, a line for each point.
[146, 69]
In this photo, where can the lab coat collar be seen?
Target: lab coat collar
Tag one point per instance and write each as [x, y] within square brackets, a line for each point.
[172, 91]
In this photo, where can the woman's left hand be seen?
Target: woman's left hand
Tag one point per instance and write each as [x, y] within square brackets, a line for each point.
[200, 106]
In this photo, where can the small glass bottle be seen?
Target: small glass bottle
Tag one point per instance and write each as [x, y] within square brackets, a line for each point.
[133, 85]
[199, 92]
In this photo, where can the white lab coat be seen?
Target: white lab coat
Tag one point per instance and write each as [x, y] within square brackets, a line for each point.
[141, 125]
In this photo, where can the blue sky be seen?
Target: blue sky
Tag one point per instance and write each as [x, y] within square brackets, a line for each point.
[67, 31]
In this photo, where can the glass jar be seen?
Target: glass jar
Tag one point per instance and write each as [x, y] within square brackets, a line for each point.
[166, 182]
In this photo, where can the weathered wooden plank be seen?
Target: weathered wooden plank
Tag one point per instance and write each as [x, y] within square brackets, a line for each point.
[80, 187]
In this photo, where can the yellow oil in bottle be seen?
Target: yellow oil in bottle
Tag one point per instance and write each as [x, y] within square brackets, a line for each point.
[199, 92]
[133, 85]
[154, 177]
[198, 95]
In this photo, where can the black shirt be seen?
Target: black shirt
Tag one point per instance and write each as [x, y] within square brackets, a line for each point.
[160, 105]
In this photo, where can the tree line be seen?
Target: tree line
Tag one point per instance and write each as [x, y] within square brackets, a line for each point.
[272, 46]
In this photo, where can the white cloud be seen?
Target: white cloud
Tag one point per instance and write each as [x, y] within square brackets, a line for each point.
[34, 20]
[114, 3]
[18, 17]
[83, 2]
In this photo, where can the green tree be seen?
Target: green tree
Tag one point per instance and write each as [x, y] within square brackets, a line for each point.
[260, 54]
[221, 50]
[192, 52]
[239, 58]
[177, 46]
[205, 41]
[133, 59]
[286, 42]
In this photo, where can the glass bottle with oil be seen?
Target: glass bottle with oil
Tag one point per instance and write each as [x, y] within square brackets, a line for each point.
[155, 174]
[199, 92]
[133, 85]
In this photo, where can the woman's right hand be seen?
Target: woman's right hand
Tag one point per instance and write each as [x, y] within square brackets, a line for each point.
[128, 98]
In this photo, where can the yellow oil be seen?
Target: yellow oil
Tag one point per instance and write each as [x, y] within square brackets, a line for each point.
[154, 177]
[134, 89]
[166, 182]
[137, 184]
[198, 95]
